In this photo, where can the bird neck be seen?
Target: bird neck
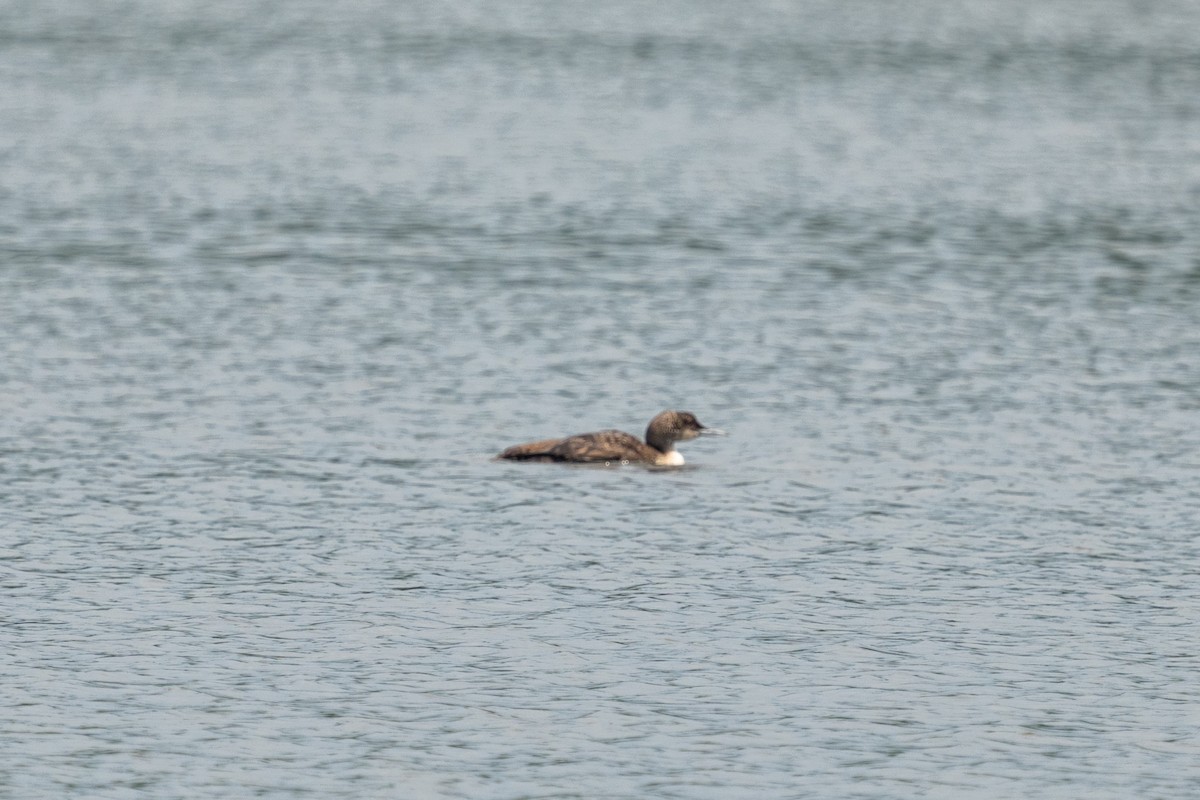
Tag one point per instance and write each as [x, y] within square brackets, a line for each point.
[659, 439]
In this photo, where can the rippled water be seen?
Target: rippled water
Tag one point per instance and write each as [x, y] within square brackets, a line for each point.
[278, 279]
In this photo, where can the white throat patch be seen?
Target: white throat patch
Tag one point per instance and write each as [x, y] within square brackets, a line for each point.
[672, 459]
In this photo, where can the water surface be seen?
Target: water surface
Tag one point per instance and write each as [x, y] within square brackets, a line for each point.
[277, 281]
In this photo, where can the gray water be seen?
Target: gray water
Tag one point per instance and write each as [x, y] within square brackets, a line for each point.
[278, 279]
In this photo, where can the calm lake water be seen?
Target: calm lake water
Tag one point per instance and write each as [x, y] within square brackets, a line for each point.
[277, 279]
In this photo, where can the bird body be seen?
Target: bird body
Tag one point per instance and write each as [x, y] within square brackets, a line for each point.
[618, 447]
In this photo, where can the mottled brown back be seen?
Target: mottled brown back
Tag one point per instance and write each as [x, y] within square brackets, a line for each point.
[531, 451]
[602, 446]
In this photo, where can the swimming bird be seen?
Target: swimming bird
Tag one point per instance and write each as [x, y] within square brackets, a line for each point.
[618, 447]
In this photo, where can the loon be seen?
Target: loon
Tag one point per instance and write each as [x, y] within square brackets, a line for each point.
[619, 447]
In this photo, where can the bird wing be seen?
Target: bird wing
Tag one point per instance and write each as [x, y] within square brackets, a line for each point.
[601, 446]
[532, 451]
